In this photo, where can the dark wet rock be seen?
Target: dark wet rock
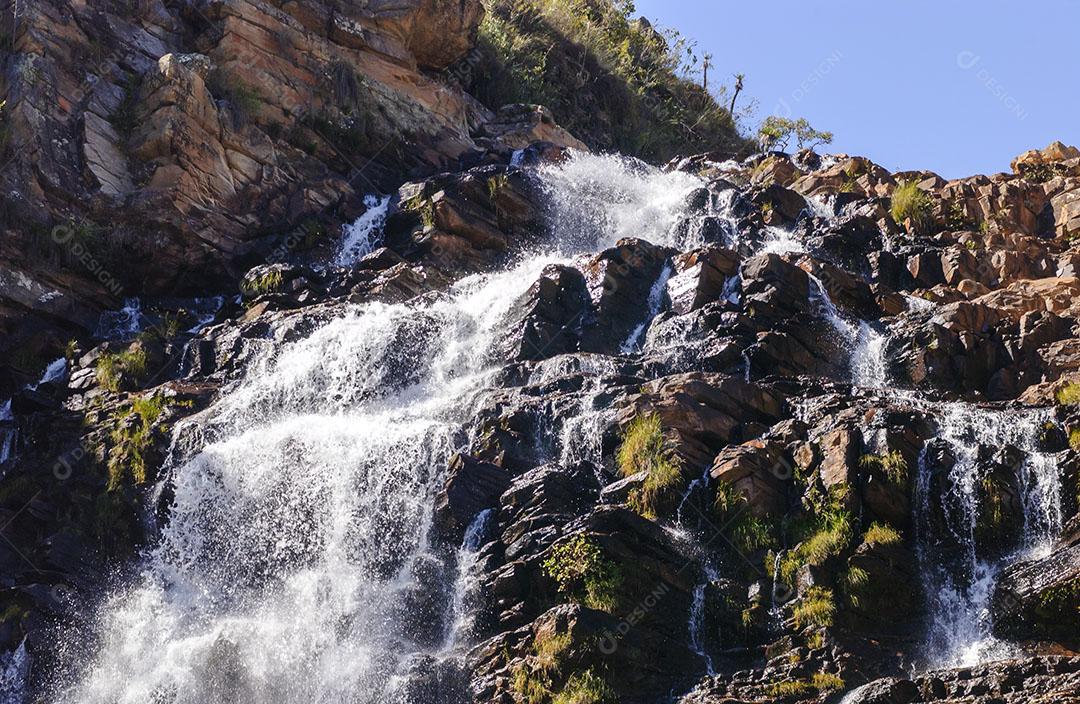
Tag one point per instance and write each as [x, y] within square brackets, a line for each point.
[620, 281]
[550, 317]
[471, 487]
[699, 278]
[1041, 598]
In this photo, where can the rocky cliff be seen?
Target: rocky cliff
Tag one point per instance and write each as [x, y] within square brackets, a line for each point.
[539, 424]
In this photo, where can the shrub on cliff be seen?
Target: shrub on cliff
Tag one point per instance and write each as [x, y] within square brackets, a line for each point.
[616, 82]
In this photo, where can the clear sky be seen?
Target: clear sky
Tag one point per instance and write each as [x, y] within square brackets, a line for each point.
[954, 86]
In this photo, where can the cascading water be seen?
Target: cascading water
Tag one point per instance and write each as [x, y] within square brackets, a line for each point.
[7, 433]
[865, 345]
[656, 303]
[958, 580]
[297, 564]
[696, 623]
[362, 237]
[467, 582]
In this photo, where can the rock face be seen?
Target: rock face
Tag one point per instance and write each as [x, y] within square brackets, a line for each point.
[205, 139]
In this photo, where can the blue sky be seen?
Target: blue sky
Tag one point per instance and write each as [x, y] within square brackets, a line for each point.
[954, 86]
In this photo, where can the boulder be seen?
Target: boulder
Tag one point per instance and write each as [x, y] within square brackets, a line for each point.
[1040, 599]
[471, 486]
[519, 126]
[757, 471]
[700, 277]
[549, 318]
[621, 280]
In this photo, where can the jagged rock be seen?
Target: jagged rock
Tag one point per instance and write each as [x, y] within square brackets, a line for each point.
[1055, 153]
[758, 471]
[471, 487]
[620, 280]
[700, 278]
[780, 206]
[857, 174]
[1041, 598]
[550, 317]
[774, 287]
[885, 691]
[705, 412]
[519, 126]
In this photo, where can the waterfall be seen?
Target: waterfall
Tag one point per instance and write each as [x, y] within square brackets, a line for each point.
[123, 324]
[868, 366]
[52, 372]
[656, 303]
[780, 241]
[959, 594]
[14, 667]
[362, 236]
[7, 433]
[297, 563]
[467, 581]
[696, 621]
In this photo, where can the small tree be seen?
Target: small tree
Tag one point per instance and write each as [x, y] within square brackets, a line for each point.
[776, 132]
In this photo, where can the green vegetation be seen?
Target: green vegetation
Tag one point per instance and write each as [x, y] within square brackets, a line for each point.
[852, 173]
[820, 682]
[831, 533]
[913, 204]
[614, 81]
[1074, 439]
[346, 135]
[790, 688]
[263, 284]
[992, 516]
[816, 608]
[645, 449]
[582, 572]
[891, 464]
[534, 680]
[548, 647]
[746, 532]
[881, 534]
[956, 218]
[826, 682]
[584, 688]
[125, 119]
[132, 436]
[853, 582]
[1069, 394]
[776, 132]
[113, 369]
[243, 100]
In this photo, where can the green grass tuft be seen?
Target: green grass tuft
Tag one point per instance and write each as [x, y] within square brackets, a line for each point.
[584, 688]
[909, 202]
[112, 369]
[891, 464]
[826, 682]
[645, 449]
[582, 572]
[1069, 394]
[816, 608]
[881, 534]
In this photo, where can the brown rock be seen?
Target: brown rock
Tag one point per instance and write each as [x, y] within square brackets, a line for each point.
[756, 470]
